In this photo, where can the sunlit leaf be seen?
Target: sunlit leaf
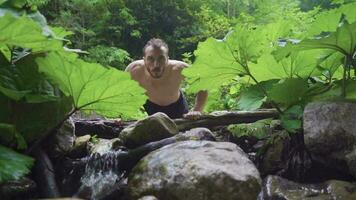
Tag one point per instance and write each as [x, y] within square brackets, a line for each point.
[214, 65]
[325, 22]
[299, 64]
[107, 91]
[218, 60]
[24, 32]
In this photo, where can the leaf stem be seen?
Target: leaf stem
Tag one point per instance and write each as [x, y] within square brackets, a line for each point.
[50, 133]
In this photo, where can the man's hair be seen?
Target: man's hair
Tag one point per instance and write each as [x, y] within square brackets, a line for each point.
[156, 43]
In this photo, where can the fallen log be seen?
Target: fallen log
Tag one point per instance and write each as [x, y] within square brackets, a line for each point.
[106, 129]
[222, 118]
[109, 129]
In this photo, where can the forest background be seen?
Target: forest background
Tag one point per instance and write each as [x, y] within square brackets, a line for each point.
[113, 32]
[52, 66]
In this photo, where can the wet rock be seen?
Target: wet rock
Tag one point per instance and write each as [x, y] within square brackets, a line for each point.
[277, 188]
[23, 188]
[196, 134]
[330, 134]
[103, 146]
[272, 158]
[148, 198]
[63, 141]
[62, 199]
[153, 128]
[80, 149]
[196, 170]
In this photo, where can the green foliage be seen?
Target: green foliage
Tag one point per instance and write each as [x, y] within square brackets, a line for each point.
[109, 56]
[301, 70]
[42, 84]
[225, 59]
[94, 139]
[292, 118]
[25, 82]
[26, 33]
[260, 129]
[13, 165]
[253, 97]
[9, 135]
[92, 87]
[288, 91]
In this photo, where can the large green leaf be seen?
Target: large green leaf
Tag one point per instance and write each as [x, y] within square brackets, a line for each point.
[13, 165]
[214, 65]
[292, 118]
[343, 41]
[23, 81]
[331, 64]
[325, 22]
[24, 32]
[251, 99]
[107, 91]
[289, 91]
[334, 93]
[328, 21]
[349, 11]
[219, 61]
[298, 64]
[33, 120]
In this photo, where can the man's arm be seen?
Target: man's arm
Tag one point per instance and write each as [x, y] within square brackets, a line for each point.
[200, 100]
[134, 69]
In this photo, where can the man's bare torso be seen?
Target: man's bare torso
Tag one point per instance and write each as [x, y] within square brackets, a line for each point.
[164, 90]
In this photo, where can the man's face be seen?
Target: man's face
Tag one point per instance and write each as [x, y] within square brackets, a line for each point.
[155, 61]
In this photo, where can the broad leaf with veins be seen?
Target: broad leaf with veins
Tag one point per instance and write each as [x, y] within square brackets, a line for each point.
[107, 91]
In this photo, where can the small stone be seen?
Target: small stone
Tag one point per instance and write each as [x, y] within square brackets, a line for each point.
[153, 128]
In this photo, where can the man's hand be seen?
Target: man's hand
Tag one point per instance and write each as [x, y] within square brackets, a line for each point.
[193, 115]
[118, 122]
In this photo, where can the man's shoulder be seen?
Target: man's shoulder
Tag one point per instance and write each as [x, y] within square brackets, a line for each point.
[135, 65]
[177, 65]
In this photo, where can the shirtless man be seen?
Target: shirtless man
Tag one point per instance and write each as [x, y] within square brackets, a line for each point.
[162, 77]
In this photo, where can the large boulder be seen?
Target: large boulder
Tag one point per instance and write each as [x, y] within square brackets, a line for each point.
[153, 128]
[196, 170]
[330, 134]
[275, 187]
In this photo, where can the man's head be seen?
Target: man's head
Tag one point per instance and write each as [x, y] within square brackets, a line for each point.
[155, 57]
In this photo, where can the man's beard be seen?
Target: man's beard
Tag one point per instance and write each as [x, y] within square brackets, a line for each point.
[156, 74]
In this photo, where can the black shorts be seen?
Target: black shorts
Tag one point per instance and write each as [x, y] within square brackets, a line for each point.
[173, 110]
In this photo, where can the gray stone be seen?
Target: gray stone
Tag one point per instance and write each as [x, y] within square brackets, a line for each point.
[275, 187]
[272, 158]
[196, 170]
[197, 134]
[330, 134]
[153, 128]
[64, 138]
[148, 198]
